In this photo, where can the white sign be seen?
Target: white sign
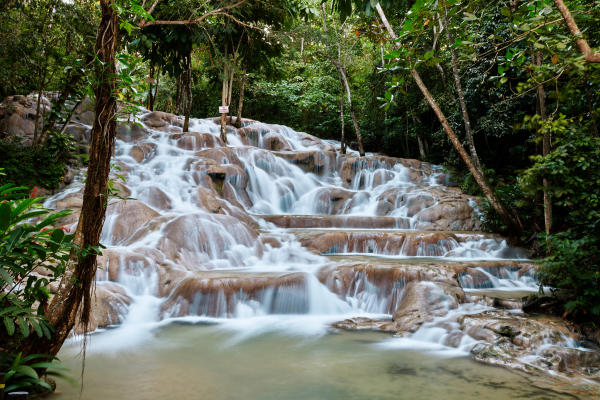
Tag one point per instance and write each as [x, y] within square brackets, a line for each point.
[223, 110]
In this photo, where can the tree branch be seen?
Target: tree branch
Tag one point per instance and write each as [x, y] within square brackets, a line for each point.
[191, 21]
[582, 44]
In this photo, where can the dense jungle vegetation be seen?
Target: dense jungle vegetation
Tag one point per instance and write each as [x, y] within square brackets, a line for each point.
[515, 83]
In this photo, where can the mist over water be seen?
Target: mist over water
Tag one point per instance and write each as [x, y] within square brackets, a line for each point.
[244, 246]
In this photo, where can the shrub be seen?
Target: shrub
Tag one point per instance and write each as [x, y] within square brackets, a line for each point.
[33, 254]
[35, 166]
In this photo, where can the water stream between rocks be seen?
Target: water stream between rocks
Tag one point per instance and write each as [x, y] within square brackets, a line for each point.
[268, 249]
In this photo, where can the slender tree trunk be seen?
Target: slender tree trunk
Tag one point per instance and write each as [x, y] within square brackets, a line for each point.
[541, 96]
[582, 44]
[188, 92]
[511, 222]
[238, 119]
[37, 110]
[155, 88]
[230, 91]
[75, 289]
[178, 94]
[461, 97]
[42, 74]
[73, 79]
[344, 79]
[342, 122]
[224, 92]
[422, 153]
[150, 87]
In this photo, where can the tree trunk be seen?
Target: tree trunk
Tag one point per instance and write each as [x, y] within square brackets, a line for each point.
[224, 93]
[461, 98]
[178, 94]
[72, 81]
[42, 74]
[342, 138]
[422, 153]
[150, 87]
[188, 92]
[541, 96]
[37, 110]
[75, 289]
[582, 44]
[342, 74]
[238, 118]
[344, 80]
[155, 88]
[511, 222]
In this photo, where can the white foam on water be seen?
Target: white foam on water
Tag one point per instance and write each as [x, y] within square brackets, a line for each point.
[222, 242]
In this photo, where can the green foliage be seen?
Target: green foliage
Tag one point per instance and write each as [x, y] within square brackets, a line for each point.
[573, 170]
[33, 255]
[572, 269]
[22, 372]
[36, 166]
[40, 40]
[572, 264]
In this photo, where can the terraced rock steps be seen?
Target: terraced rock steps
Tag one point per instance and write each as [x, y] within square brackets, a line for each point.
[279, 222]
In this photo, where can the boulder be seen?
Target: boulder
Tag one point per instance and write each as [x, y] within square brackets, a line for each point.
[197, 141]
[131, 132]
[109, 306]
[221, 155]
[315, 161]
[84, 112]
[143, 151]
[274, 141]
[194, 240]
[155, 198]
[423, 301]
[530, 344]
[127, 217]
[163, 121]
[365, 324]
[18, 113]
[381, 284]
[81, 133]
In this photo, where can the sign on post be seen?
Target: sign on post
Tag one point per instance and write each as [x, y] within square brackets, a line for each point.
[224, 110]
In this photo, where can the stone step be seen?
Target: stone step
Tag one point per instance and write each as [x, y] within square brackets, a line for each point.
[336, 221]
[377, 284]
[408, 243]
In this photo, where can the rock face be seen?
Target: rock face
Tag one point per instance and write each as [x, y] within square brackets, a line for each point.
[18, 114]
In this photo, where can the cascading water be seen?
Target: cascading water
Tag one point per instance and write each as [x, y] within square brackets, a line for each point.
[279, 232]
[191, 211]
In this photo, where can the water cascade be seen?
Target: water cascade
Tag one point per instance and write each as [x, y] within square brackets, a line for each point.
[278, 231]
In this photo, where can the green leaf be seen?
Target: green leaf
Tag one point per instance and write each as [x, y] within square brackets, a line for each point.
[6, 277]
[23, 326]
[27, 371]
[5, 213]
[10, 326]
